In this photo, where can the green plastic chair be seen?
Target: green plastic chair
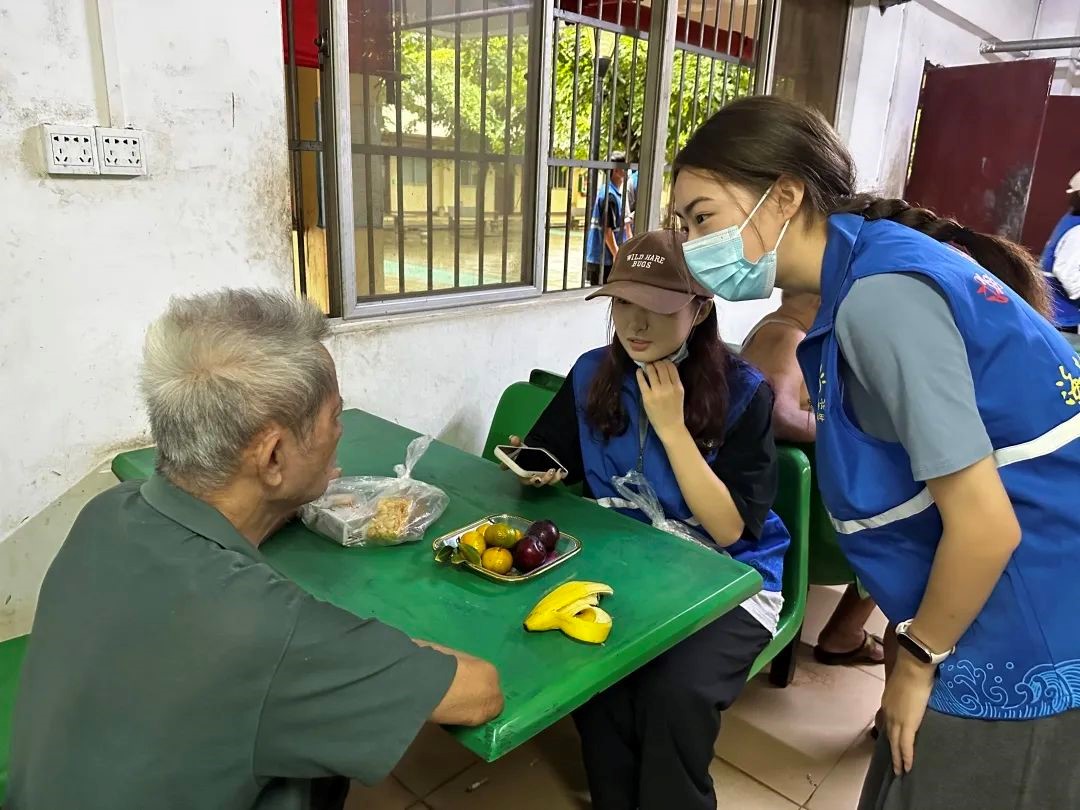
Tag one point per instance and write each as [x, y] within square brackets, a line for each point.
[11, 658]
[546, 379]
[793, 507]
[827, 565]
[519, 407]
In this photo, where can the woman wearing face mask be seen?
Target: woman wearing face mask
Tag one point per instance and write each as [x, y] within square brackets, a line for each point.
[948, 413]
[665, 398]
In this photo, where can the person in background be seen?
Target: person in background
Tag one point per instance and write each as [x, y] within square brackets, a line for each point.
[170, 665]
[631, 203]
[667, 399]
[947, 448]
[606, 226]
[1061, 263]
[770, 346]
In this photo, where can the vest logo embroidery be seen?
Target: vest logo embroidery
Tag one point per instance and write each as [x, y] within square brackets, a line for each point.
[1070, 384]
[821, 396]
[990, 288]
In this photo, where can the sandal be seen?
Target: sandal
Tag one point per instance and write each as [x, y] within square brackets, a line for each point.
[863, 654]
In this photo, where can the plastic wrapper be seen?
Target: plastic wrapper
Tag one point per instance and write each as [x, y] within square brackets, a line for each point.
[636, 490]
[366, 510]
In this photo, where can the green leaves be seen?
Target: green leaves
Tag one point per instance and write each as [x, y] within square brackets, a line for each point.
[700, 86]
[459, 81]
[475, 82]
[453, 551]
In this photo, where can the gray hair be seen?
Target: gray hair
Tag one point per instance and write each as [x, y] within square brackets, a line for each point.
[220, 367]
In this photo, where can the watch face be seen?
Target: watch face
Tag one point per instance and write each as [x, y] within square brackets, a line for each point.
[914, 648]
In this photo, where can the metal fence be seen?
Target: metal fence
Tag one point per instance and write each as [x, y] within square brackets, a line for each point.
[597, 119]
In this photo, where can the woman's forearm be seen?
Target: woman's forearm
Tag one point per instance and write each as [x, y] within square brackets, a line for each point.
[981, 533]
[705, 494]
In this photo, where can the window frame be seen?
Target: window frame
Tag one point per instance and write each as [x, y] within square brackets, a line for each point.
[536, 161]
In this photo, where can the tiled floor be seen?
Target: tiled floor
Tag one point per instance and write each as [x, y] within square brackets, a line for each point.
[806, 746]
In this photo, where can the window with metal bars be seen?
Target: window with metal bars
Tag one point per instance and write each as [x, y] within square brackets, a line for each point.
[470, 140]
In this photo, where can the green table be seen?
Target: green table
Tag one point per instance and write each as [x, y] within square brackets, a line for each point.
[665, 588]
[12, 652]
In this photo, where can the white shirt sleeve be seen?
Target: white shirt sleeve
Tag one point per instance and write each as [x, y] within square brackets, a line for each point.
[1067, 262]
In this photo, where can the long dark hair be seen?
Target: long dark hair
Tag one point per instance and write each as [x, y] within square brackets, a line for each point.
[1074, 202]
[756, 140]
[704, 375]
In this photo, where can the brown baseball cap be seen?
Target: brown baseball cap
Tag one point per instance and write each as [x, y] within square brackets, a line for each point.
[650, 271]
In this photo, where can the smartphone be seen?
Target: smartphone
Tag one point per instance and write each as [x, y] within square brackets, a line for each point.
[527, 461]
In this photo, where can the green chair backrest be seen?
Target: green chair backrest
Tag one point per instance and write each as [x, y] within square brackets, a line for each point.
[11, 658]
[793, 506]
[519, 407]
[828, 566]
[546, 379]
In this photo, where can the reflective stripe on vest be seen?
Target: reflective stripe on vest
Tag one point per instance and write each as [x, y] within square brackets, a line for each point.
[1050, 442]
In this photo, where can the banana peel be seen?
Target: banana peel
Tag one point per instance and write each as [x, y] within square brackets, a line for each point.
[570, 592]
[573, 609]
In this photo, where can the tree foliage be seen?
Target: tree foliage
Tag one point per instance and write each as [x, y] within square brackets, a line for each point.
[700, 85]
[455, 105]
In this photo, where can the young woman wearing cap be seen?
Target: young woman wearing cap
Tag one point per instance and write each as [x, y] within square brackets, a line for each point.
[948, 413]
[666, 399]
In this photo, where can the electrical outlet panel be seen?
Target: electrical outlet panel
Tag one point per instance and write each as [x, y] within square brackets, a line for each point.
[122, 152]
[69, 149]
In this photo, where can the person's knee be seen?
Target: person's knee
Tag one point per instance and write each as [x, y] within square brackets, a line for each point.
[664, 690]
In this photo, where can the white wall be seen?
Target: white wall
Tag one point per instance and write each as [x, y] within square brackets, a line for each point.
[1061, 18]
[884, 65]
[88, 260]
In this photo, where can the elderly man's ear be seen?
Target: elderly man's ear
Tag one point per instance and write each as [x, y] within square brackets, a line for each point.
[267, 456]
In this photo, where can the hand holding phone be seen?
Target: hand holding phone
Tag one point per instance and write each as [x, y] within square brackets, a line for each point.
[533, 465]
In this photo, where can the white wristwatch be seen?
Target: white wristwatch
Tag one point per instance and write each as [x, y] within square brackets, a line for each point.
[921, 652]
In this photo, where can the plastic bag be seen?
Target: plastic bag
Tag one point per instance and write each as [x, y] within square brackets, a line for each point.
[368, 510]
[638, 492]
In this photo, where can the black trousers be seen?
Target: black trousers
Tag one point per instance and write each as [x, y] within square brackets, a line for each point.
[596, 274]
[329, 793]
[648, 740]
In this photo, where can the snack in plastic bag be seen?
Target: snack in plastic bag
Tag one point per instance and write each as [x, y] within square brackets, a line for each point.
[639, 494]
[368, 510]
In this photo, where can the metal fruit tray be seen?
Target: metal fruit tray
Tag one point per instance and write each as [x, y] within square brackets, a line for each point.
[567, 547]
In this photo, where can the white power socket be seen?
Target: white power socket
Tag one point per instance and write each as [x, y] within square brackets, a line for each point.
[122, 152]
[69, 149]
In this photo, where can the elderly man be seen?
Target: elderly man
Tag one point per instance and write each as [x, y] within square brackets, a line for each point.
[170, 665]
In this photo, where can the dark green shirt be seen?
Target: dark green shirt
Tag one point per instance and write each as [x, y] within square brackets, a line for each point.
[171, 667]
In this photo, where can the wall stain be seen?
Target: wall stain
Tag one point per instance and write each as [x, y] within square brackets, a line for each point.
[1010, 203]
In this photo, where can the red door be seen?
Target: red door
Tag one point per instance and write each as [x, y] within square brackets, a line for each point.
[977, 136]
[1057, 162]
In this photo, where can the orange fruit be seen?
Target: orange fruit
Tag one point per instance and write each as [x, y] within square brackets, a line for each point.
[474, 539]
[497, 560]
[500, 535]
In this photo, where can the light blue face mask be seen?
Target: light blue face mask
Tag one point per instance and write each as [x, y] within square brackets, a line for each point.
[680, 355]
[719, 262]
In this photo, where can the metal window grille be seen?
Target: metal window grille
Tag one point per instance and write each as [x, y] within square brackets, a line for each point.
[469, 139]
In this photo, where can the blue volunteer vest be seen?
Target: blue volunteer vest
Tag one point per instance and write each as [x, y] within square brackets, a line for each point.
[1066, 311]
[604, 460]
[1021, 657]
[596, 251]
